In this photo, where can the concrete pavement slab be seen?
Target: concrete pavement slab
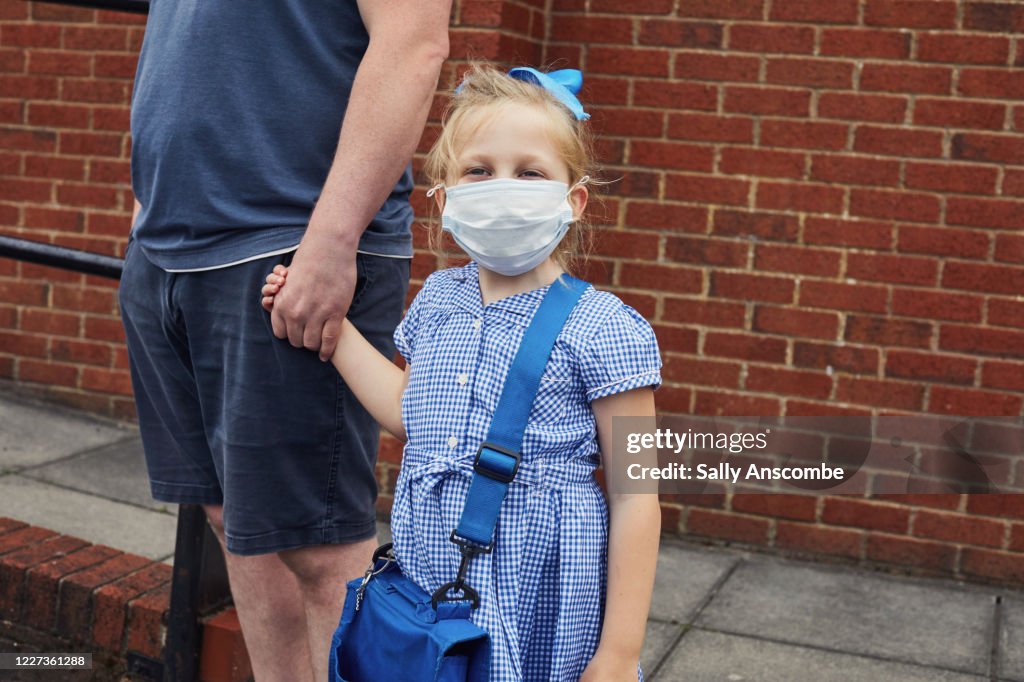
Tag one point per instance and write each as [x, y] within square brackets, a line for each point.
[34, 433]
[116, 471]
[685, 577]
[715, 657]
[658, 640]
[916, 622]
[96, 519]
[1011, 640]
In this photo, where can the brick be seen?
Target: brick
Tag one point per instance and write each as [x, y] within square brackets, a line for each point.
[111, 118]
[757, 162]
[795, 322]
[768, 226]
[745, 286]
[672, 33]
[962, 49]
[997, 505]
[943, 241]
[47, 373]
[29, 140]
[87, 195]
[48, 115]
[727, 526]
[958, 528]
[890, 518]
[789, 382]
[47, 12]
[870, 203]
[1006, 312]
[855, 170]
[30, 35]
[38, 191]
[91, 144]
[985, 213]
[676, 95]
[800, 197]
[606, 90]
[110, 603]
[1006, 375]
[896, 269]
[665, 216]
[936, 305]
[797, 260]
[19, 291]
[593, 30]
[905, 551]
[910, 13]
[803, 134]
[999, 279]
[767, 101]
[930, 367]
[674, 400]
[58, 63]
[627, 122]
[838, 232]
[962, 401]
[710, 128]
[703, 312]
[1013, 182]
[845, 358]
[1006, 567]
[76, 604]
[14, 565]
[897, 141]
[809, 408]
[706, 189]
[706, 251]
[225, 655]
[721, 9]
[663, 278]
[841, 296]
[146, 616]
[744, 347]
[43, 579]
[987, 148]
[50, 322]
[80, 352]
[888, 331]
[771, 38]
[933, 80]
[835, 12]
[95, 91]
[982, 341]
[844, 42]
[818, 539]
[858, 107]
[959, 114]
[703, 372]
[23, 537]
[483, 13]
[54, 167]
[994, 16]
[812, 73]
[880, 394]
[628, 61]
[671, 155]
[1010, 248]
[706, 66]
[24, 345]
[951, 177]
[785, 506]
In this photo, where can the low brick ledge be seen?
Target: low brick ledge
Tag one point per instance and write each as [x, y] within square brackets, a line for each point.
[61, 593]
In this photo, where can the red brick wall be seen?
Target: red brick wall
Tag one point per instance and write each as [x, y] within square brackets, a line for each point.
[819, 205]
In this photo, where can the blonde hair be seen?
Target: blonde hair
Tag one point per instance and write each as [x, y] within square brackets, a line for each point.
[484, 92]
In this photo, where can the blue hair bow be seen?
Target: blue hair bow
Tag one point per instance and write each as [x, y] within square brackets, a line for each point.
[563, 84]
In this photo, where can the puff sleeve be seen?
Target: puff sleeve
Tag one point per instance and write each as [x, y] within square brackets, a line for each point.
[405, 332]
[621, 355]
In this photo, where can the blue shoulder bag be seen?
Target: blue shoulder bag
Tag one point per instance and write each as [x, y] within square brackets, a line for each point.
[393, 630]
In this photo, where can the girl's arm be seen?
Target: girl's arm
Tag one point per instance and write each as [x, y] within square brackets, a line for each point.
[635, 526]
[376, 381]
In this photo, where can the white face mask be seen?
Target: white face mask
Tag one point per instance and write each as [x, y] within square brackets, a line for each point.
[508, 226]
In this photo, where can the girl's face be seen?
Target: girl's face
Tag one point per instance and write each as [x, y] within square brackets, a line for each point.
[513, 143]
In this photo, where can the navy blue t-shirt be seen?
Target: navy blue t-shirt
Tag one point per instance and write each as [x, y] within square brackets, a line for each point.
[235, 120]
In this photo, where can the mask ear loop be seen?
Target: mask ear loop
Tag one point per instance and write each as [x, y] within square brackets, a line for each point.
[582, 181]
[433, 190]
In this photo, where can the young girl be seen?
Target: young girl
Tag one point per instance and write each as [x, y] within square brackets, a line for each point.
[564, 594]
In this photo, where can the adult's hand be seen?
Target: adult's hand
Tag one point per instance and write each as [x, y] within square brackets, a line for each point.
[321, 281]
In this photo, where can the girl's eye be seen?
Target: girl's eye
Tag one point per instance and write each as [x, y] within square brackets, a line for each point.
[531, 174]
[476, 171]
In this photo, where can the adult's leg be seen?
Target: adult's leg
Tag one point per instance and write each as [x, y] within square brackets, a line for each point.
[322, 572]
[273, 618]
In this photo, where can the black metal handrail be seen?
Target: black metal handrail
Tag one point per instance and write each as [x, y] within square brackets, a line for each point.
[135, 6]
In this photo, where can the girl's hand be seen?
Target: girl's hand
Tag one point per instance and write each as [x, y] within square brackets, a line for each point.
[275, 280]
[607, 666]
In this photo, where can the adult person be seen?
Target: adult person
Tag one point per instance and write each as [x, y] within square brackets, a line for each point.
[266, 132]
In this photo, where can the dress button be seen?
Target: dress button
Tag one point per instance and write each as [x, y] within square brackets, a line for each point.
[463, 379]
[477, 324]
[452, 441]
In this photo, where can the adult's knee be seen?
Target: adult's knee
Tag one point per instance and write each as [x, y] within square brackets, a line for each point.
[215, 517]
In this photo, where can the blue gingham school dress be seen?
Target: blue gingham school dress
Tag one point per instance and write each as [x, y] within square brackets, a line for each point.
[542, 587]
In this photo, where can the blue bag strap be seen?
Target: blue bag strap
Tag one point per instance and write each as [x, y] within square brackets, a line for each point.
[497, 460]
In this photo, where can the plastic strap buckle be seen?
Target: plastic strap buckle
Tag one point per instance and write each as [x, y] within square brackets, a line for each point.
[480, 466]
